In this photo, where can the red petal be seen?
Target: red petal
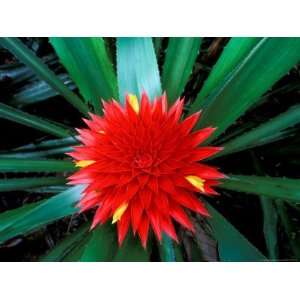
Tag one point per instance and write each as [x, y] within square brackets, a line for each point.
[180, 216]
[187, 125]
[136, 214]
[204, 152]
[155, 223]
[168, 228]
[143, 230]
[123, 226]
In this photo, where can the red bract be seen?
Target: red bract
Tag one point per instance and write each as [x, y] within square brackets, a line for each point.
[140, 164]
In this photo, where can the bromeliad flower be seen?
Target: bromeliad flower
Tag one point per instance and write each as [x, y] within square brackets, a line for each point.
[141, 166]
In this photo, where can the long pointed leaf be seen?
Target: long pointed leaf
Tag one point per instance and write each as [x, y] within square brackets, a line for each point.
[232, 245]
[37, 165]
[63, 248]
[38, 91]
[89, 66]
[267, 132]
[48, 144]
[270, 218]
[274, 187]
[266, 63]
[233, 53]
[21, 184]
[26, 56]
[36, 154]
[137, 67]
[31, 217]
[18, 116]
[180, 58]
[102, 245]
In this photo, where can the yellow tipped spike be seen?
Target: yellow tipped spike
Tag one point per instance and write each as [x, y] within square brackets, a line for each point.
[196, 182]
[84, 163]
[134, 103]
[119, 212]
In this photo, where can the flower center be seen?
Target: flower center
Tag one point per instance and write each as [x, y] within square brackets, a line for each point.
[142, 161]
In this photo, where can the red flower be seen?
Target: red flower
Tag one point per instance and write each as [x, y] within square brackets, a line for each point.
[141, 167]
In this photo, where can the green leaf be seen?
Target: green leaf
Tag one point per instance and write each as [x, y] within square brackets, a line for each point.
[270, 218]
[38, 91]
[26, 56]
[180, 58]
[48, 144]
[102, 245]
[166, 249]
[131, 251]
[20, 184]
[274, 187]
[36, 154]
[89, 66]
[137, 67]
[75, 254]
[232, 245]
[234, 52]
[266, 63]
[290, 226]
[30, 217]
[18, 116]
[64, 247]
[270, 226]
[270, 131]
[37, 165]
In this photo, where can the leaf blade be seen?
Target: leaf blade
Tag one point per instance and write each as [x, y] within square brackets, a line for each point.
[180, 58]
[31, 60]
[30, 217]
[270, 131]
[234, 52]
[37, 165]
[14, 115]
[265, 64]
[89, 66]
[233, 246]
[20, 184]
[274, 187]
[137, 67]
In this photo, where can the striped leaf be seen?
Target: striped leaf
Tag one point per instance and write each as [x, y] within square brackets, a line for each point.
[65, 247]
[232, 245]
[26, 56]
[180, 58]
[89, 66]
[30, 217]
[37, 165]
[234, 52]
[265, 64]
[21, 184]
[18, 116]
[274, 187]
[137, 67]
[102, 245]
[268, 132]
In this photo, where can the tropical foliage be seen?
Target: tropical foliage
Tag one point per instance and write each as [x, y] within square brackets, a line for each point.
[240, 83]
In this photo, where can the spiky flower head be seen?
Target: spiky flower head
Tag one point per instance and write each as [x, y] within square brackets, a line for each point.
[142, 168]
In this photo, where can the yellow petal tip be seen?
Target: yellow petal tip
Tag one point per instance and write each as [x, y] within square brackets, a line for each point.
[119, 212]
[134, 102]
[84, 163]
[196, 181]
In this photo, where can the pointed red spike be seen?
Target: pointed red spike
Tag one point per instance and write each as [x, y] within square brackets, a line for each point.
[143, 230]
[180, 216]
[123, 226]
